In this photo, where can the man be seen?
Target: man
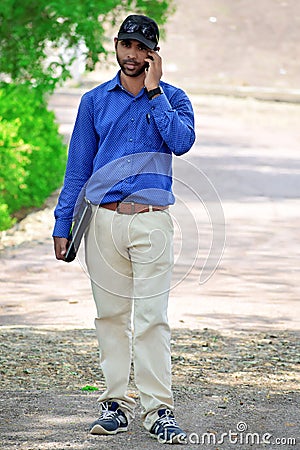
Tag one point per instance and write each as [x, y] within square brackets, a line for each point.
[120, 155]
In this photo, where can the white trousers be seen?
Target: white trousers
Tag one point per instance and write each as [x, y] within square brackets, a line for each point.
[130, 260]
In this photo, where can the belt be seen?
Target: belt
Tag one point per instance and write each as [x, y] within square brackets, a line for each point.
[131, 207]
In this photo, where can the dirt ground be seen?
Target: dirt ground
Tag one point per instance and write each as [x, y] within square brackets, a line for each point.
[235, 335]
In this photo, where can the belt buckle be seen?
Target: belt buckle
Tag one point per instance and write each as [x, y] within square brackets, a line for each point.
[132, 207]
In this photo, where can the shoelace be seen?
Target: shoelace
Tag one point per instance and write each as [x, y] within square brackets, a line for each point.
[168, 419]
[107, 414]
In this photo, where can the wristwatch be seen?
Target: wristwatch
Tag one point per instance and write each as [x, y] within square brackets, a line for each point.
[153, 92]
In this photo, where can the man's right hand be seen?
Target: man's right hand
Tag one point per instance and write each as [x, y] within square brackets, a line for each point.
[60, 247]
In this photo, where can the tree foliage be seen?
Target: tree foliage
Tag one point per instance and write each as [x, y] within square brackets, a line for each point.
[39, 38]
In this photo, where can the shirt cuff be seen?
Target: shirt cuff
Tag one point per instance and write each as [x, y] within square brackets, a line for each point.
[160, 104]
[62, 228]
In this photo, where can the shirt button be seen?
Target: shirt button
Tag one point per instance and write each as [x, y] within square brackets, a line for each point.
[132, 119]
[130, 140]
[153, 108]
[128, 160]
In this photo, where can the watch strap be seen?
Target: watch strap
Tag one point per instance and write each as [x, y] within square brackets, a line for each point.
[153, 92]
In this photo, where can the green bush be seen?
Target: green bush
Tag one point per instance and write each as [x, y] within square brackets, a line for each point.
[13, 162]
[33, 156]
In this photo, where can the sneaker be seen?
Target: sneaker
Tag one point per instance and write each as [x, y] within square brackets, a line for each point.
[166, 430]
[111, 421]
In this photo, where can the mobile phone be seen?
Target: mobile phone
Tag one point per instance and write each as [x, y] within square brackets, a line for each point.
[147, 64]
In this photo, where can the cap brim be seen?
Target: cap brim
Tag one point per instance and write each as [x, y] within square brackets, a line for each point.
[137, 37]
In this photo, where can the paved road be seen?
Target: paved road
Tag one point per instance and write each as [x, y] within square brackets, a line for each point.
[241, 178]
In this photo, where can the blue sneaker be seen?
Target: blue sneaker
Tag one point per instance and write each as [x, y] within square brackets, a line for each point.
[111, 421]
[166, 430]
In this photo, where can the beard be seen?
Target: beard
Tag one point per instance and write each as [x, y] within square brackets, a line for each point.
[139, 69]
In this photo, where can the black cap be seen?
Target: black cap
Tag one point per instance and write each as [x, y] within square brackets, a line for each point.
[140, 28]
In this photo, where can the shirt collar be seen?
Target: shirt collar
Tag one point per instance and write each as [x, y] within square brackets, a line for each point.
[115, 82]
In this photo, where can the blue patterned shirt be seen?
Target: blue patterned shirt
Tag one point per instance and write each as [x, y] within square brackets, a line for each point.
[121, 148]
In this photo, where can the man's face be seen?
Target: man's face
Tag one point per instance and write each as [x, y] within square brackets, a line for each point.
[131, 56]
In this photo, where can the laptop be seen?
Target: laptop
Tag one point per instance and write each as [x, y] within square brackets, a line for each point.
[79, 226]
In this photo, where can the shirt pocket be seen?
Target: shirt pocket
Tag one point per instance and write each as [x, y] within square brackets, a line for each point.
[150, 135]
